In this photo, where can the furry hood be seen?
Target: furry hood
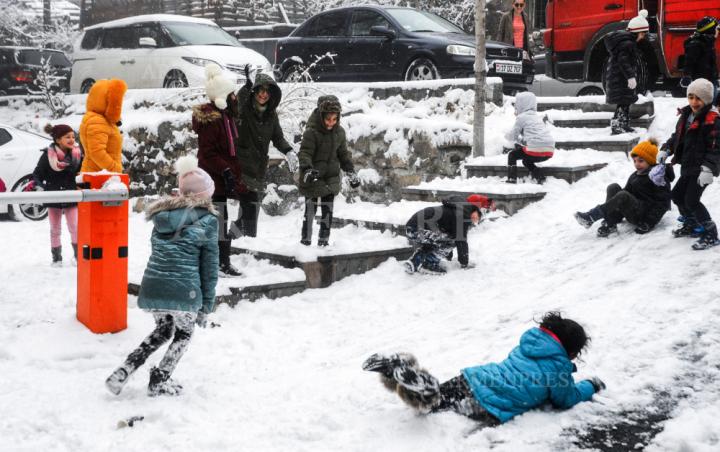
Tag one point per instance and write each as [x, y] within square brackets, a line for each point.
[273, 88]
[106, 98]
[171, 213]
[206, 113]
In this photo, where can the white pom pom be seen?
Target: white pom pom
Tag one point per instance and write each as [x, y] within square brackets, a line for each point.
[212, 70]
[185, 164]
[643, 13]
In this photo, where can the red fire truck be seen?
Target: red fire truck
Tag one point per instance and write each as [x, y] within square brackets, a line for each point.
[576, 30]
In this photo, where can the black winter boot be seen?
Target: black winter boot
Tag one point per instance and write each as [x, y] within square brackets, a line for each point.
[117, 380]
[512, 174]
[606, 229]
[586, 219]
[56, 256]
[709, 238]
[687, 228]
[228, 270]
[161, 384]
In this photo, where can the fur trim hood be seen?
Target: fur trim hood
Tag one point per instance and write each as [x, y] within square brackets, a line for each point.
[106, 98]
[168, 203]
[206, 113]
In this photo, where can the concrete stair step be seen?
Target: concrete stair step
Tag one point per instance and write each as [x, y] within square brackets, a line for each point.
[568, 173]
[598, 123]
[510, 203]
[592, 104]
[609, 145]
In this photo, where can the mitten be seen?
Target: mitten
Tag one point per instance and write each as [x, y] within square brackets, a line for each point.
[229, 179]
[632, 83]
[311, 175]
[706, 177]
[657, 175]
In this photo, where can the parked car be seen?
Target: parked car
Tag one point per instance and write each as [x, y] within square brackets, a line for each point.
[375, 43]
[159, 51]
[546, 86]
[19, 153]
[19, 67]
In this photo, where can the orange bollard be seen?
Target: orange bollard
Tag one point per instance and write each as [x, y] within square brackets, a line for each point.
[102, 272]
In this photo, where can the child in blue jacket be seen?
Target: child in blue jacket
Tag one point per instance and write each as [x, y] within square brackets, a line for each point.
[178, 287]
[537, 371]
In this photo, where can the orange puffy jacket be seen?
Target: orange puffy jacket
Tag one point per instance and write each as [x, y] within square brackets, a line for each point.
[99, 133]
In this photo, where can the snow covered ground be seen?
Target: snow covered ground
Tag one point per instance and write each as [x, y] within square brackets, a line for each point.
[285, 375]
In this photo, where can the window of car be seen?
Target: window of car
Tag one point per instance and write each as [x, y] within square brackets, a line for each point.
[189, 34]
[5, 137]
[420, 21]
[363, 20]
[152, 31]
[119, 38]
[91, 38]
[331, 24]
[57, 58]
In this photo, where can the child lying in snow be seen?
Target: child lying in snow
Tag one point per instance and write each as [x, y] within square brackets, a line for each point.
[643, 201]
[537, 371]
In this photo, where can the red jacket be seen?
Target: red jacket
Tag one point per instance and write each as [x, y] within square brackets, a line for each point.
[215, 152]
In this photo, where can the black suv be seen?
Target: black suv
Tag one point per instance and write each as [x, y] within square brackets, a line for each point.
[374, 43]
[19, 67]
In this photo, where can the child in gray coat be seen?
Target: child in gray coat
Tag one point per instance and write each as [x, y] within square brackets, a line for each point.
[531, 140]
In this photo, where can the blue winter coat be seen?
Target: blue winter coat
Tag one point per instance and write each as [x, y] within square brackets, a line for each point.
[183, 268]
[535, 372]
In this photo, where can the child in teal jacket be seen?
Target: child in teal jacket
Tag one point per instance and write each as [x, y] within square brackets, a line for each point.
[178, 286]
[536, 372]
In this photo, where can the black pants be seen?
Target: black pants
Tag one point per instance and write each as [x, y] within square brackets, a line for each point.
[621, 118]
[529, 161]
[686, 195]
[455, 395]
[249, 212]
[220, 202]
[177, 325]
[619, 205]
[326, 211]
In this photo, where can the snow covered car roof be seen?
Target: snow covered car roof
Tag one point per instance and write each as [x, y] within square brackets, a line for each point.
[151, 18]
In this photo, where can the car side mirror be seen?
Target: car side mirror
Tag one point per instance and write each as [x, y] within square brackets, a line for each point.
[147, 42]
[380, 30]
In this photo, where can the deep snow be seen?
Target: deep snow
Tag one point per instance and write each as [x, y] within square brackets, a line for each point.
[285, 374]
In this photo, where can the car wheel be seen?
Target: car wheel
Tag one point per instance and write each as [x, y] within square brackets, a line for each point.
[591, 91]
[296, 74]
[86, 85]
[421, 69]
[34, 212]
[175, 79]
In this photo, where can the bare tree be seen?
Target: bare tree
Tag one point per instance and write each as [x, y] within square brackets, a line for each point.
[480, 73]
[47, 80]
[21, 29]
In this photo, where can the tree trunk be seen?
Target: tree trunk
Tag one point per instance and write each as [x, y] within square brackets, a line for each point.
[46, 15]
[480, 73]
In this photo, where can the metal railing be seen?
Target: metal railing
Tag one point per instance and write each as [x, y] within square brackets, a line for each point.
[110, 197]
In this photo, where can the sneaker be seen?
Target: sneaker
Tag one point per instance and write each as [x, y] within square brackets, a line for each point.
[706, 241]
[386, 364]
[686, 230]
[606, 229]
[585, 219]
[228, 271]
[432, 269]
[409, 266]
[116, 381]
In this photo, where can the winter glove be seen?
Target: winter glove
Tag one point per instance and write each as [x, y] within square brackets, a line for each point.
[248, 83]
[642, 228]
[597, 384]
[662, 155]
[229, 179]
[632, 83]
[353, 179]
[657, 174]
[311, 175]
[685, 82]
[201, 319]
[292, 161]
[706, 177]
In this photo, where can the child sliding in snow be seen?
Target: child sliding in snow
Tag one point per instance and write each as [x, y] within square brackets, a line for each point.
[435, 231]
[537, 371]
[178, 286]
[643, 201]
[532, 140]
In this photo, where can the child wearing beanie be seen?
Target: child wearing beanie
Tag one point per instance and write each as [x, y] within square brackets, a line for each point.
[700, 57]
[696, 147]
[644, 199]
[56, 171]
[178, 287]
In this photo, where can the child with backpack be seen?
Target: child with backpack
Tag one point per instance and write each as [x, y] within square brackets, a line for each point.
[323, 153]
[536, 372]
[532, 141]
[435, 231]
[178, 287]
[695, 145]
[56, 171]
[643, 201]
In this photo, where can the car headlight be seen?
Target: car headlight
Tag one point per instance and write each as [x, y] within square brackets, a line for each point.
[461, 50]
[199, 61]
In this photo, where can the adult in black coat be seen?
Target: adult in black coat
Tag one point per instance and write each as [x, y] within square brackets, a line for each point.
[700, 55]
[435, 231]
[621, 79]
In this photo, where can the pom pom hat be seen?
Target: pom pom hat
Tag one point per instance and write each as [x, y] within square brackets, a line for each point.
[646, 150]
[217, 85]
[639, 23]
[192, 180]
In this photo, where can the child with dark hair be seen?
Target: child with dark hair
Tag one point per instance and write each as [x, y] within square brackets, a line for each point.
[536, 372]
[643, 201]
[56, 171]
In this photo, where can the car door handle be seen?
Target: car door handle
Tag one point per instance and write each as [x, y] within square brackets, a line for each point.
[612, 6]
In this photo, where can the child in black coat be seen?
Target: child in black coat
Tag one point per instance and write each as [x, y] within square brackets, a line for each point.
[643, 201]
[56, 171]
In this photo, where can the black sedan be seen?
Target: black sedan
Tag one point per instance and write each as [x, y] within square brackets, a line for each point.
[19, 67]
[374, 43]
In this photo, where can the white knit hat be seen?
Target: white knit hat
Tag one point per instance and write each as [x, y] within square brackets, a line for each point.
[193, 180]
[639, 23]
[703, 89]
[217, 85]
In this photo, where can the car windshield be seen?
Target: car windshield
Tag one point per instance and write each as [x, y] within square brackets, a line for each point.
[421, 21]
[37, 57]
[193, 34]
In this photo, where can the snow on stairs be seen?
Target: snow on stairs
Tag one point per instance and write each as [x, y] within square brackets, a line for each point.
[594, 104]
[619, 143]
[568, 173]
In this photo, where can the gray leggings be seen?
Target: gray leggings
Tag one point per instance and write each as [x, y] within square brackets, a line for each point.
[178, 325]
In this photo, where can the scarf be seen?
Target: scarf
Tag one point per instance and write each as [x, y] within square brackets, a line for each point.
[59, 159]
[231, 133]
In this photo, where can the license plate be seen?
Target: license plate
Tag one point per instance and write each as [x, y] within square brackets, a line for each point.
[508, 68]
